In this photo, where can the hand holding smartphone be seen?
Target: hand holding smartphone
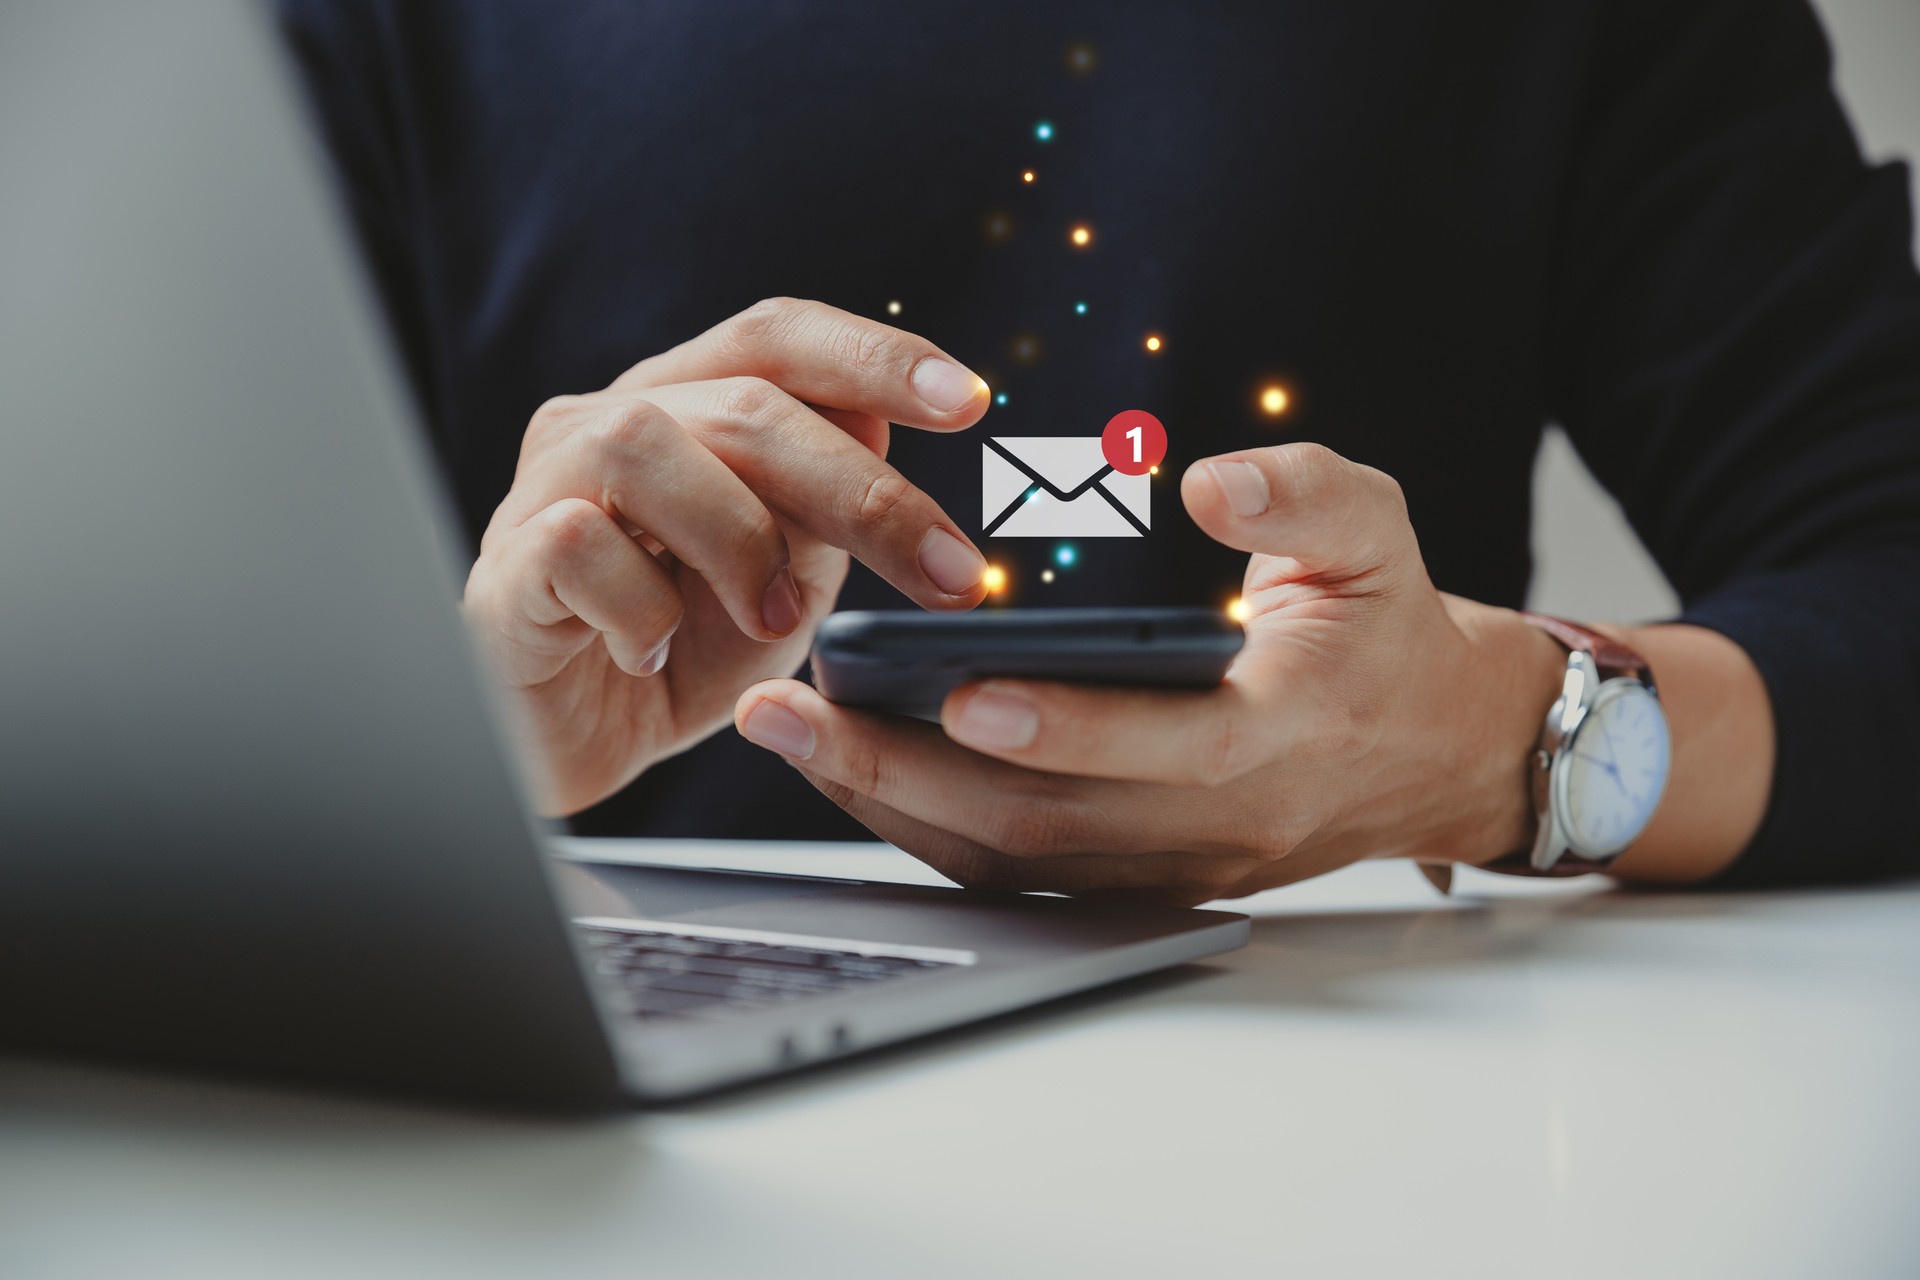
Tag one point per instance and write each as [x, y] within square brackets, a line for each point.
[907, 662]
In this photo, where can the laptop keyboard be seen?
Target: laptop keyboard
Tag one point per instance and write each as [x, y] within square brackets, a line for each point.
[678, 975]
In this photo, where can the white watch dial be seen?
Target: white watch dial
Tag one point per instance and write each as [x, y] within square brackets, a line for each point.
[1615, 769]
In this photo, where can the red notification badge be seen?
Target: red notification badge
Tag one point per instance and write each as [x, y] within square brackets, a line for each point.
[1134, 442]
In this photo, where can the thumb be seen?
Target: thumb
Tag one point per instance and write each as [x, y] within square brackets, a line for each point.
[1307, 503]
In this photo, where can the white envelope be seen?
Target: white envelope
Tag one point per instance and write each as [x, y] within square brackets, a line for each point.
[1058, 487]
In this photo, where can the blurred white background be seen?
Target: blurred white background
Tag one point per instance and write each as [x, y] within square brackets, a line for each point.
[1587, 563]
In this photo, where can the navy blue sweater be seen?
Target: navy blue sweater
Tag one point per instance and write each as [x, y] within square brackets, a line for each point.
[1441, 225]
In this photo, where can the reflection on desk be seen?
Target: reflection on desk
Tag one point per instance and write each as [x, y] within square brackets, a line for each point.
[1528, 1079]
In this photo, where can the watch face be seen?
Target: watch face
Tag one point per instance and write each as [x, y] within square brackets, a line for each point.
[1615, 769]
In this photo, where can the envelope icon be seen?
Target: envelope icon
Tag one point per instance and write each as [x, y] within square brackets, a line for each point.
[1058, 487]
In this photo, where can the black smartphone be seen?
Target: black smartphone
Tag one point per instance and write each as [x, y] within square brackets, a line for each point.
[908, 661]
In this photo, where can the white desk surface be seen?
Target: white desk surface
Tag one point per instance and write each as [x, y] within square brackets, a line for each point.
[1529, 1080]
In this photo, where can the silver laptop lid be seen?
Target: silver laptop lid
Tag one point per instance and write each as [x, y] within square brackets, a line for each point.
[253, 811]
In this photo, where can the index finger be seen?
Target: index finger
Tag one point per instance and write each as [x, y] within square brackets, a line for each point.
[823, 481]
[827, 356]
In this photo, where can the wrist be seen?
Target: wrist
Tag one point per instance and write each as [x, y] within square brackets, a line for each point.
[1512, 672]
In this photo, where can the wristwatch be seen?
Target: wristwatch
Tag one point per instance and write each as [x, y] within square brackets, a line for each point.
[1602, 761]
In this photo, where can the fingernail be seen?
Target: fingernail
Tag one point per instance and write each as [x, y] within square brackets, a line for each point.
[945, 385]
[954, 566]
[657, 659]
[772, 726]
[995, 718]
[780, 607]
[1244, 485]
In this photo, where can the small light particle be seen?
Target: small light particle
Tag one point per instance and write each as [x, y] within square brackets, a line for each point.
[1026, 176]
[1153, 471]
[1079, 308]
[1043, 131]
[1081, 59]
[1274, 401]
[998, 226]
[893, 308]
[1046, 575]
[1237, 609]
[1064, 556]
[1153, 342]
[994, 579]
[1032, 495]
[1081, 235]
[1001, 399]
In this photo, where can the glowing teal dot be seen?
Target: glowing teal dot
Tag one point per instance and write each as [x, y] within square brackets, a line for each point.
[1063, 556]
[1043, 132]
[1000, 399]
[1079, 308]
[1032, 494]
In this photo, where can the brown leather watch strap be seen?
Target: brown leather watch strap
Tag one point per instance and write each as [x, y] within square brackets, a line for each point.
[1610, 655]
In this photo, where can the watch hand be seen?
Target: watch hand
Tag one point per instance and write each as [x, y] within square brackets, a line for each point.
[1606, 736]
[1608, 765]
[1609, 768]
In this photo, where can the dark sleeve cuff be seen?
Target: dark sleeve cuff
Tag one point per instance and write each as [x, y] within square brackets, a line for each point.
[1838, 645]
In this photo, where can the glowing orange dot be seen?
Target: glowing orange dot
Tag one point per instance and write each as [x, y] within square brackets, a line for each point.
[994, 579]
[1081, 235]
[1026, 176]
[1237, 609]
[1153, 471]
[1274, 401]
[1153, 342]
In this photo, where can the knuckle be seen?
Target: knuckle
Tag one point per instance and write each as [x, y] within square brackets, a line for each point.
[748, 399]
[498, 533]
[1033, 827]
[1387, 490]
[480, 599]
[1271, 832]
[869, 350]
[863, 767]
[764, 318]
[1225, 752]
[556, 417]
[758, 540]
[1289, 835]
[665, 622]
[1018, 831]
[572, 526]
[1306, 466]
[629, 432]
[556, 409]
[882, 498]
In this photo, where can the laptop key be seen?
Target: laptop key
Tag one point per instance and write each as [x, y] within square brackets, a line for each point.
[670, 975]
[871, 966]
[644, 1000]
[792, 957]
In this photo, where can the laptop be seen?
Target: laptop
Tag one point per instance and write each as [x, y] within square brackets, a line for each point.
[256, 812]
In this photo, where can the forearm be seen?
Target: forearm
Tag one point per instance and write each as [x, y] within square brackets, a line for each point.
[1723, 749]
